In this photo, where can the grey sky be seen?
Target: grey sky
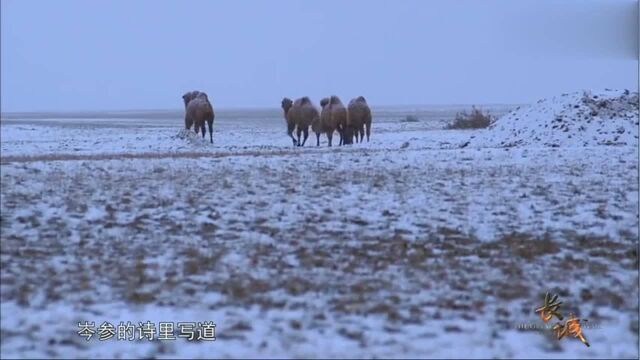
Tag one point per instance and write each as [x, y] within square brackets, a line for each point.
[109, 55]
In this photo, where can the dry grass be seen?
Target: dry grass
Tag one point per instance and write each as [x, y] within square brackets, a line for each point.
[477, 119]
[5, 160]
[320, 259]
[410, 118]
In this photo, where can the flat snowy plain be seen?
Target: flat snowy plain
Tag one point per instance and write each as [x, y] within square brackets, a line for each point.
[423, 242]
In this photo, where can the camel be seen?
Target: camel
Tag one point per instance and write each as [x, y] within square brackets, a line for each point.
[299, 115]
[291, 124]
[198, 110]
[188, 96]
[333, 117]
[359, 118]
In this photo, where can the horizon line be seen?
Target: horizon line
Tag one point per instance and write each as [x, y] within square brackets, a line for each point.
[235, 108]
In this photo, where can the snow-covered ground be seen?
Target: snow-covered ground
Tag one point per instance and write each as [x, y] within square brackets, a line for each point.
[587, 118]
[421, 243]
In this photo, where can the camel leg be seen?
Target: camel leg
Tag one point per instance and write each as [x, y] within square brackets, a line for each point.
[329, 137]
[341, 136]
[210, 122]
[204, 130]
[299, 132]
[293, 139]
[306, 135]
[290, 133]
[368, 131]
[318, 139]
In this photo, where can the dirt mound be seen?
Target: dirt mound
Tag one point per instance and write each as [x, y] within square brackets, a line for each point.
[587, 118]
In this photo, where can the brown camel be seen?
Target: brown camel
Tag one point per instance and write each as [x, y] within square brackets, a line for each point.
[333, 117]
[199, 110]
[186, 98]
[299, 114]
[359, 117]
[291, 124]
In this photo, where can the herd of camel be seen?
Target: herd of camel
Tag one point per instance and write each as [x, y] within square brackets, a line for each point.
[351, 122]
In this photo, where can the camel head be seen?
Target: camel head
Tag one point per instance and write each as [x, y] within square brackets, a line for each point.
[324, 102]
[348, 134]
[186, 98]
[286, 104]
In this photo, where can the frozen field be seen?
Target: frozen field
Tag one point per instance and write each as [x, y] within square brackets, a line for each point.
[421, 243]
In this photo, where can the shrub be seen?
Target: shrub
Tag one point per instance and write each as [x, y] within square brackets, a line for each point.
[474, 120]
[410, 118]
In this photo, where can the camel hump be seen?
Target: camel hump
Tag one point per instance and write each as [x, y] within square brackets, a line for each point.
[303, 101]
[190, 95]
[334, 100]
[358, 102]
[198, 103]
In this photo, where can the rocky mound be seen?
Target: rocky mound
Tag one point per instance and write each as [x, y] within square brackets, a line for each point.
[587, 118]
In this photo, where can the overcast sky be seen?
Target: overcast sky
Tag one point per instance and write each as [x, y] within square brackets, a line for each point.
[144, 54]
